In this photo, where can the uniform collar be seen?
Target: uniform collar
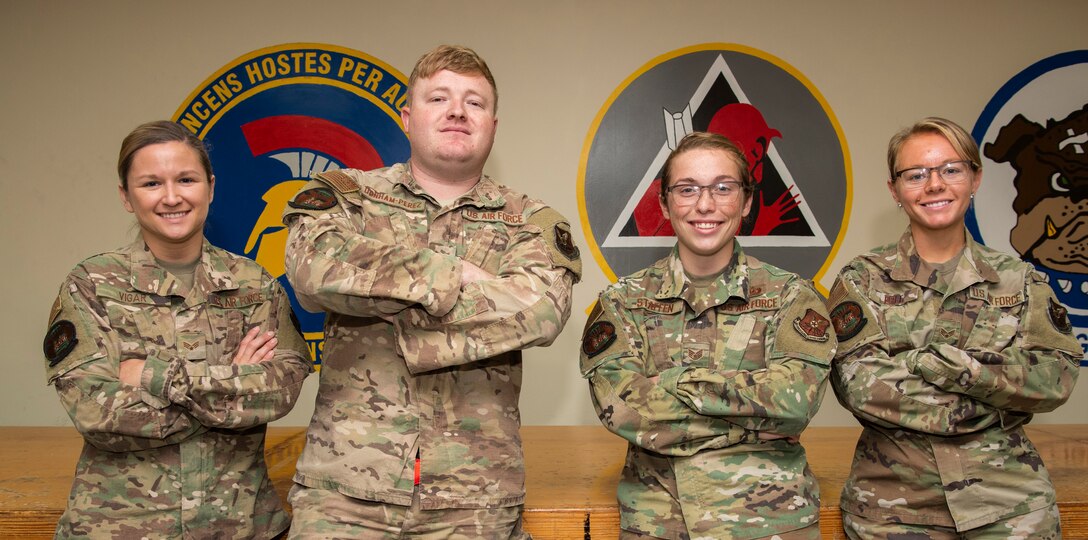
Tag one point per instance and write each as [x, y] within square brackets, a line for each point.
[212, 273]
[907, 265]
[485, 194]
[732, 283]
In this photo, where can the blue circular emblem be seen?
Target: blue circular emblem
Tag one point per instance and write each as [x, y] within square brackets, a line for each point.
[272, 118]
[1034, 140]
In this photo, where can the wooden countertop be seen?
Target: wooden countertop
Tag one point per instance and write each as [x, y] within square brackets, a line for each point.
[571, 476]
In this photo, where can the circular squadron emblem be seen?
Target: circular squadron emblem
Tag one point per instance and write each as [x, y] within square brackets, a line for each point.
[1034, 140]
[797, 152]
[274, 117]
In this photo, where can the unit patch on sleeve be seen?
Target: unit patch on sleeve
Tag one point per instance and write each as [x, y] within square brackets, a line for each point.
[59, 341]
[812, 326]
[314, 199]
[848, 320]
[598, 337]
[564, 242]
[1059, 316]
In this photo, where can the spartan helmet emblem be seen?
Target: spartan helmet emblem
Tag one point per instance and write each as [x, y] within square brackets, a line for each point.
[325, 146]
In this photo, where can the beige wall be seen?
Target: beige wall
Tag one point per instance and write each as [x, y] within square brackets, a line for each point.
[78, 75]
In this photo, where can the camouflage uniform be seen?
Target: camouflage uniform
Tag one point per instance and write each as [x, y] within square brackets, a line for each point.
[413, 363]
[181, 455]
[943, 383]
[691, 381]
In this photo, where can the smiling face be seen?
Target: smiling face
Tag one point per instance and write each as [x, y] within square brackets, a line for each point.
[936, 206]
[450, 121]
[169, 192]
[705, 227]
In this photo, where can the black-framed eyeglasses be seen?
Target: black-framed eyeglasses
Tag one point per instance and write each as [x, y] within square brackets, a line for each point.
[722, 192]
[952, 172]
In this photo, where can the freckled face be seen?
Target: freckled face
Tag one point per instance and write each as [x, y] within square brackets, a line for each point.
[936, 205]
[169, 193]
[705, 228]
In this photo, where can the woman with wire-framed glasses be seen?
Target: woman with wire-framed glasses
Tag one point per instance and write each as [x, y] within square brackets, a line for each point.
[710, 364]
[946, 349]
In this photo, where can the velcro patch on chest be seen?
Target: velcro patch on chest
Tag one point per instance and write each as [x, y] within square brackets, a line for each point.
[653, 306]
[812, 326]
[497, 216]
[754, 304]
[848, 319]
[1007, 300]
[314, 199]
[598, 337]
[392, 200]
[234, 299]
[60, 339]
[131, 297]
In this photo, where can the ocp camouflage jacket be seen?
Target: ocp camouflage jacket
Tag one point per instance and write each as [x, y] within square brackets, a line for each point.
[692, 382]
[181, 455]
[943, 383]
[414, 363]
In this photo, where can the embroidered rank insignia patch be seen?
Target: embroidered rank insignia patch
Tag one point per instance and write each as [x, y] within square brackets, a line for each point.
[600, 335]
[848, 320]
[812, 326]
[564, 242]
[1059, 317]
[314, 199]
[59, 341]
[341, 181]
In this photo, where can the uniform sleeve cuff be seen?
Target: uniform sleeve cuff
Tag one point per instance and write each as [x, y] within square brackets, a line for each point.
[155, 380]
[670, 378]
[445, 290]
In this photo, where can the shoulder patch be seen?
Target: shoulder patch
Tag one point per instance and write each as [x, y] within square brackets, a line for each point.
[1059, 316]
[812, 326]
[339, 180]
[60, 339]
[847, 319]
[314, 199]
[558, 239]
[598, 337]
[564, 242]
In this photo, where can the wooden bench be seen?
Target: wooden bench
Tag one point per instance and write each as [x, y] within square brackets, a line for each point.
[571, 485]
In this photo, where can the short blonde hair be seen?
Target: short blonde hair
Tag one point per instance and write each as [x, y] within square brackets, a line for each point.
[961, 141]
[455, 58]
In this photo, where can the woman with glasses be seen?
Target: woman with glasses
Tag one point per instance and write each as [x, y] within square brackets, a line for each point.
[710, 363]
[946, 349]
[170, 356]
